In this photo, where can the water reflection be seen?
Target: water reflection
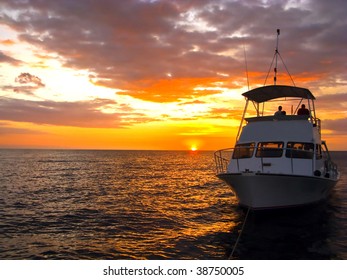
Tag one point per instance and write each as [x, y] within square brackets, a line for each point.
[148, 205]
[113, 204]
[297, 233]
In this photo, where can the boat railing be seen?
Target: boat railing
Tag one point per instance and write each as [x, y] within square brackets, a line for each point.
[317, 123]
[223, 157]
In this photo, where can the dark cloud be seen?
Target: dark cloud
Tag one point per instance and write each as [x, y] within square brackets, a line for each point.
[332, 102]
[27, 78]
[8, 59]
[80, 114]
[336, 106]
[338, 126]
[27, 90]
[333, 98]
[133, 45]
[28, 84]
[5, 129]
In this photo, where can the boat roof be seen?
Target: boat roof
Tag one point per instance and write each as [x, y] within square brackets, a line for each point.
[266, 93]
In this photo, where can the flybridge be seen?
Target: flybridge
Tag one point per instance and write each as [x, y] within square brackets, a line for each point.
[259, 96]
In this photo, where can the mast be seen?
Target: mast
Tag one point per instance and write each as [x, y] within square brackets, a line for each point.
[276, 56]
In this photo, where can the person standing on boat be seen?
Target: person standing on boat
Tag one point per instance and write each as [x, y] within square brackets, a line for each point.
[303, 110]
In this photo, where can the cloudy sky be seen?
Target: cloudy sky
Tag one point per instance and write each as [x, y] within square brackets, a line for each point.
[160, 74]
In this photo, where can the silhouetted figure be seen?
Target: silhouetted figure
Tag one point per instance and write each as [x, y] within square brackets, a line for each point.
[303, 110]
[280, 112]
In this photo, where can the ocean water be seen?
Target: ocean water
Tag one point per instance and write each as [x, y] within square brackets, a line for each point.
[74, 204]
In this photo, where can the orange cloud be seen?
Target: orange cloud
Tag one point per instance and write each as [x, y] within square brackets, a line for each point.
[173, 89]
[7, 42]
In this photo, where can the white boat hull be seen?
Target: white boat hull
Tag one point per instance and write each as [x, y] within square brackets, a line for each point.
[266, 191]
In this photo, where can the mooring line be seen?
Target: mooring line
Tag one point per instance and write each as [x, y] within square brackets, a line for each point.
[238, 238]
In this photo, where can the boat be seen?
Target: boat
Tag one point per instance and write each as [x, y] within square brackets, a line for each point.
[279, 160]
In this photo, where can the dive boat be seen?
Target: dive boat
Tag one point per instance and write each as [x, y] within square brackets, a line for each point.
[279, 160]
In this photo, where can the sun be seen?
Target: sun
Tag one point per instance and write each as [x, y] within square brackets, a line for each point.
[193, 148]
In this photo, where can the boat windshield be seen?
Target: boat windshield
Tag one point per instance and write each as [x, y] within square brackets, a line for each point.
[244, 150]
[269, 149]
[299, 150]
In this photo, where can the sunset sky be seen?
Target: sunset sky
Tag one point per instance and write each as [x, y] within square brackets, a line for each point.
[156, 74]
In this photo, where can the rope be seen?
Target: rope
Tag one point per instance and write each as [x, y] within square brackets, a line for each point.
[238, 238]
[277, 53]
[268, 73]
[286, 69]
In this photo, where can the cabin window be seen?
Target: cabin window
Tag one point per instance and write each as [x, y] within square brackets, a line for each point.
[269, 149]
[299, 150]
[243, 150]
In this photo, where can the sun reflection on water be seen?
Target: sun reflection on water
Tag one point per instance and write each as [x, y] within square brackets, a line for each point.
[116, 205]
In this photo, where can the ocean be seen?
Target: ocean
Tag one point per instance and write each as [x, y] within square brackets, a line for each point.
[112, 205]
